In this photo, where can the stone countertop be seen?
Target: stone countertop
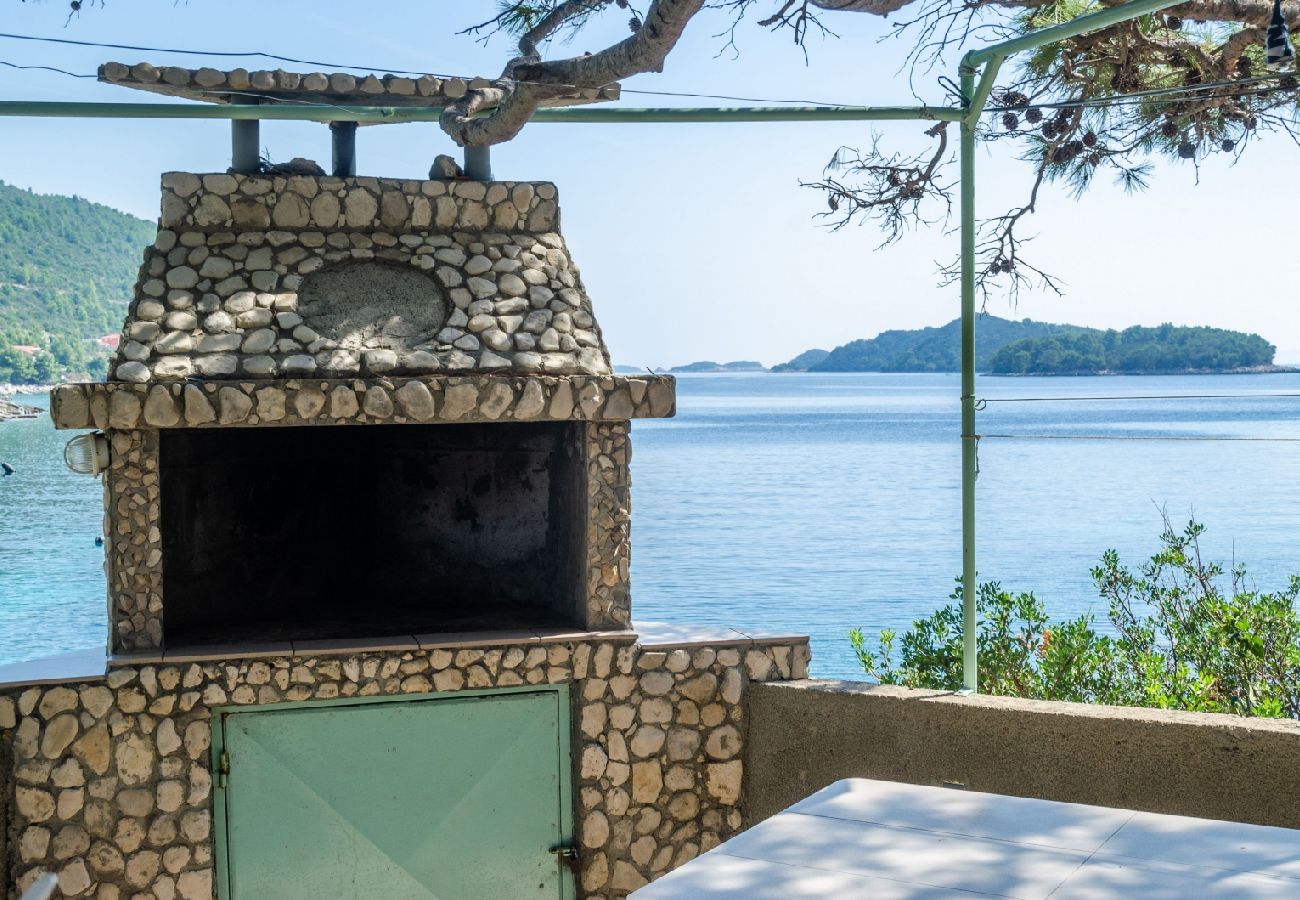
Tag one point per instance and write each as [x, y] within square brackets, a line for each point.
[332, 88]
[664, 635]
[92, 663]
[77, 665]
[312, 401]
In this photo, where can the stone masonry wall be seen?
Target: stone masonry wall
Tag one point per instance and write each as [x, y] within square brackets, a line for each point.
[257, 277]
[110, 784]
[609, 524]
[133, 539]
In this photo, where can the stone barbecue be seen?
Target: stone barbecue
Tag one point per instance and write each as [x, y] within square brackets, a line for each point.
[367, 548]
[450, 309]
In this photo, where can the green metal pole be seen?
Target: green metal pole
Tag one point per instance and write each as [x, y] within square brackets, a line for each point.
[969, 590]
[973, 99]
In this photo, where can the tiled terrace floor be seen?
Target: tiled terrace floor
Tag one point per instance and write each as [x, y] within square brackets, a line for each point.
[889, 841]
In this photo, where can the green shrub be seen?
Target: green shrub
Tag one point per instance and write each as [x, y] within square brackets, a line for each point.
[1182, 639]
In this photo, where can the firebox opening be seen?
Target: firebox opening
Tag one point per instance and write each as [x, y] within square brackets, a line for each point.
[354, 532]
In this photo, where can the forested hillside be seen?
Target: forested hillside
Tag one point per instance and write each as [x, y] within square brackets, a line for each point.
[1135, 350]
[932, 349]
[67, 268]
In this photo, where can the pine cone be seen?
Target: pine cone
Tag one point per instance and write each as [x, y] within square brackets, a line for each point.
[1168, 129]
[1227, 144]
[1010, 121]
[1090, 139]
[1033, 116]
[1186, 150]
[1173, 23]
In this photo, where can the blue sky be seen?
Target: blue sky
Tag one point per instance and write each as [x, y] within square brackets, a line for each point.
[695, 241]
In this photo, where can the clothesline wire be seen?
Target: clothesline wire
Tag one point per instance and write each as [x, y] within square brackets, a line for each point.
[1139, 397]
[1136, 97]
[1134, 437]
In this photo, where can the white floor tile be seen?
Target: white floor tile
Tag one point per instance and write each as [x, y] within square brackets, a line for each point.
[1206, 842]
[1068, 826]
[715, 876]
[923, 858]
[1105, 878]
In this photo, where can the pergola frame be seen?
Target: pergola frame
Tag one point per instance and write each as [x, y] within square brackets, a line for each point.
[984, 63]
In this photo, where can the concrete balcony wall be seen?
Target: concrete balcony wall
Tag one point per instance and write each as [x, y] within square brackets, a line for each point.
[804, 735]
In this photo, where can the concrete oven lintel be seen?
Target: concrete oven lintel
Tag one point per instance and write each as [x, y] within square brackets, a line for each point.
[437, 399]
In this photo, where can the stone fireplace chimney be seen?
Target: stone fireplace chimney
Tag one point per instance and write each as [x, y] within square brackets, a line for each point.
[271, 317]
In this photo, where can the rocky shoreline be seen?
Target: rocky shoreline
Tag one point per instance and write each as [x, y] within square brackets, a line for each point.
[9, 409]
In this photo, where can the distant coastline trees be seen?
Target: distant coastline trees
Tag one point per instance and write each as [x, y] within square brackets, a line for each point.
[1135, 350]
[1026, 347]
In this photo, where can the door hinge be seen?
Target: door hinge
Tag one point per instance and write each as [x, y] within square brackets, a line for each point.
[568, 856]
[223, 768]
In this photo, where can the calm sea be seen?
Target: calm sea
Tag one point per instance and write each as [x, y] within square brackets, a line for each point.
[816, 503]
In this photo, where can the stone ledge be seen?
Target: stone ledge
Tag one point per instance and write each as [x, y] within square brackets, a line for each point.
[239, 85]
[389, 401]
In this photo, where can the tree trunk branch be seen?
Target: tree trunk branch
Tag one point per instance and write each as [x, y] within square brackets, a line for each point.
[528, 81]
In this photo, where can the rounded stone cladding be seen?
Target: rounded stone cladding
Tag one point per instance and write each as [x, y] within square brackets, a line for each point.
[109, 780]
[238, 282]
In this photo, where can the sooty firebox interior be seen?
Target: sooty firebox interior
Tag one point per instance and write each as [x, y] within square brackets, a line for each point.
[337, 531]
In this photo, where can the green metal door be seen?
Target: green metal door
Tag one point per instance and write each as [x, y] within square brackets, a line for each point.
[456, 797]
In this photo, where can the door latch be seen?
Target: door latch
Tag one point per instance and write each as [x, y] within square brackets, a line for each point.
[568, 856]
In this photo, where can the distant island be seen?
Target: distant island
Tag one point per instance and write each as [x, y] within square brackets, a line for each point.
[744, 365]
[1163, 350]
[1026, 347]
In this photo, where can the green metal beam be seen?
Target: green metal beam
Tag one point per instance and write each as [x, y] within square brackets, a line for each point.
[1075, 27]
[375, 115]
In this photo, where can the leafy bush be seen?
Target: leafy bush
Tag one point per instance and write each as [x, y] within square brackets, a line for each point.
[1183, 639]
